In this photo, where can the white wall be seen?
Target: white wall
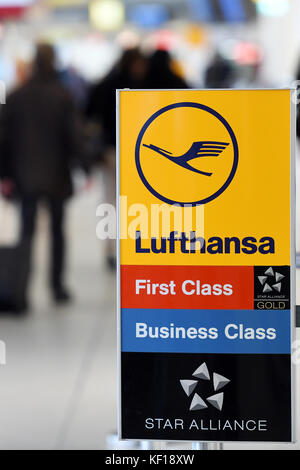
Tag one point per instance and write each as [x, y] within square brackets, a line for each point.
[280, 38]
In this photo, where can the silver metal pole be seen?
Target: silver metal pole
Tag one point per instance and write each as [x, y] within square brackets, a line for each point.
[163, 445]
[207, 445]
[153, 445]
[218, 446]
[200, 446]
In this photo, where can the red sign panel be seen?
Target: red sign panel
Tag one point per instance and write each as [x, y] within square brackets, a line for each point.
[187, 287]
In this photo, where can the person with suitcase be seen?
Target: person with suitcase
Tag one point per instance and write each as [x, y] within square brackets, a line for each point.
[40, 139]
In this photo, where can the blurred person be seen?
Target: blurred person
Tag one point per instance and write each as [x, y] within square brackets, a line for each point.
[161, 74]
[248, 66]
[23, 71]
[219, 73]
[248, 76]
[40, 140]
[76, 85]
[129, 72]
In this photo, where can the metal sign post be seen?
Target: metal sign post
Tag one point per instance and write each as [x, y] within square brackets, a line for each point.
[206, 265]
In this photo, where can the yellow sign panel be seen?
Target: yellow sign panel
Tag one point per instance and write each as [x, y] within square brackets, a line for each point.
[221, 156]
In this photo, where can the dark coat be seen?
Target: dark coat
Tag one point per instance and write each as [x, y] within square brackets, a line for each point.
[39, 138]
[160, 73]
[101, 104]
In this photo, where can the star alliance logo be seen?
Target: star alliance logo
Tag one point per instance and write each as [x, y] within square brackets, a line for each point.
[272, 278]
[272, 287]
[215, 400]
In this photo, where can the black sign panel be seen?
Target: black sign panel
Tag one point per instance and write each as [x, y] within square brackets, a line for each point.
[230, 398]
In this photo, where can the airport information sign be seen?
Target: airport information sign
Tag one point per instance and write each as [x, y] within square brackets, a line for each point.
[206, 264]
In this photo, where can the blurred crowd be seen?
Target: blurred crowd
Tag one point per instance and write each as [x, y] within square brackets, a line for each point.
[52, 123]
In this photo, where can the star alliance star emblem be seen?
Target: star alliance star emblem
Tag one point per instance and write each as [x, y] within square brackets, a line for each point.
[271, 281]
[198, 402]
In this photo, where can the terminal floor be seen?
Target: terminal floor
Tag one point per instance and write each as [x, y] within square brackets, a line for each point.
[58, 389]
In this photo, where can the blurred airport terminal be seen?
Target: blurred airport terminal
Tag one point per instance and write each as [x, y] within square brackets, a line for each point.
[58, 389]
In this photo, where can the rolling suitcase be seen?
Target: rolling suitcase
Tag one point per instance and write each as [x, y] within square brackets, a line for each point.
[14, 265]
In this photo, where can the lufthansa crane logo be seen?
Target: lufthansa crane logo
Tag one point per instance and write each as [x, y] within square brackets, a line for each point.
[197, 150]
[186, 153]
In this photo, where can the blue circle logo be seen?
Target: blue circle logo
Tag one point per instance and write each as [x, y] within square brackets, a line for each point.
[186, 154]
